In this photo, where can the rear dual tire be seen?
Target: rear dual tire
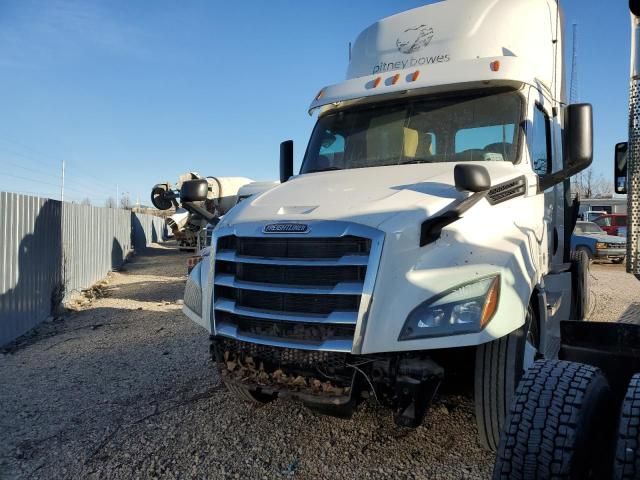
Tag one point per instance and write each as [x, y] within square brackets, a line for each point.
[557, 427]
[626, 464]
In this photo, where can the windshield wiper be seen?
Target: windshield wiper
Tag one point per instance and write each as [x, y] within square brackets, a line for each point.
[408, 162]
[322, 170]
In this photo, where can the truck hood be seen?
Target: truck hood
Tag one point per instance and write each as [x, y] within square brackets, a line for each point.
[369, 196]
[603, 237]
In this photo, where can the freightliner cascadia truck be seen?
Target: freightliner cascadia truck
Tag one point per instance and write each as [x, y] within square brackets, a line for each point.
[426, 234]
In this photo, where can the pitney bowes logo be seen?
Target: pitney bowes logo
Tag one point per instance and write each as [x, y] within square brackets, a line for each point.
[414, 39]
[410, 42]
[286, 228]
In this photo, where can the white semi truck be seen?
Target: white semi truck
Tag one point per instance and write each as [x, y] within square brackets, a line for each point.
[426, 235]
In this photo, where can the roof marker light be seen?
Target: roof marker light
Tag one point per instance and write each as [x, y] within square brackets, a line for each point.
[395, 79]
[320, 95]
[414, 76]
[495, 66]
[376, 82]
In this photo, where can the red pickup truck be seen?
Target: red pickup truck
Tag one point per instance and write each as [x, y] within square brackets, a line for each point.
[613, 224]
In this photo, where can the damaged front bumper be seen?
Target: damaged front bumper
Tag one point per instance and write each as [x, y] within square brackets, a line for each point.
[332, 382]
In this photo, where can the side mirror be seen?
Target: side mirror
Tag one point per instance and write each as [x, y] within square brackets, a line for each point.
[286, 160]
[471, 178]
[620, 167]
[578, 130]
[578, 144]
[194, 190]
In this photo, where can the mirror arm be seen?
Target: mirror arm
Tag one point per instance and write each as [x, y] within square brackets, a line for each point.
[199, 210]
[553, 179]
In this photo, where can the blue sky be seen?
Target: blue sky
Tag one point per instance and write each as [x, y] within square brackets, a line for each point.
[135, 93]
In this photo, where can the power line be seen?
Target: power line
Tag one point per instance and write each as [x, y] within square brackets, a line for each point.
[88, 185]
[71, 173]
[29, 169]
[50, 162]
[44, 182]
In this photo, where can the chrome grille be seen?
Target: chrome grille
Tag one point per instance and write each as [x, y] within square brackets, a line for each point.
[293, 291]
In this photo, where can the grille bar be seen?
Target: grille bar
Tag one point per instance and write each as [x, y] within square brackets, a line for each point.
[336, 317]
[287, 302]
[346, 260]
[302, 332]
[342, 288]
[297, 248]
[231, 331]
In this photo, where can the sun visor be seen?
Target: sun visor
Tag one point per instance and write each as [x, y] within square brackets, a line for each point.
[485, 72]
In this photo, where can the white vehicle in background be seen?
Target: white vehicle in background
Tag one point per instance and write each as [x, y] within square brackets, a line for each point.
[590, 216]
[427, 233]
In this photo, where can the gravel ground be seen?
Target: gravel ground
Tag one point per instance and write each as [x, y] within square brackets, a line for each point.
[124, 389]
[615, 294]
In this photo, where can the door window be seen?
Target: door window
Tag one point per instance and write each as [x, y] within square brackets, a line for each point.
[539, 139]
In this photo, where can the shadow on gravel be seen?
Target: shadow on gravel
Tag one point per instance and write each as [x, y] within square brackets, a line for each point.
[160, 291]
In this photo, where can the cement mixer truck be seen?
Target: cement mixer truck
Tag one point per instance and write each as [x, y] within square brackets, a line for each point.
[190, 220]
[426, 236]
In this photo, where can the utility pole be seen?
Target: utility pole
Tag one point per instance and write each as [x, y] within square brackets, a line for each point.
[117, 196]
[62, 184]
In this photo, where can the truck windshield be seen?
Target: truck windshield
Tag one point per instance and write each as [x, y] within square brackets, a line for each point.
[482, 127]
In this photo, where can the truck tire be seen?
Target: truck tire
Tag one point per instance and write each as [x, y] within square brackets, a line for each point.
[626, 464]
[499, 367]
[580, 291]
[247, 396]
[556, 424]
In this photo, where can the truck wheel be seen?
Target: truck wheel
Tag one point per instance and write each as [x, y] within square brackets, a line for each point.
[556, 423]
[580, 293]
[499, 367]
[626, 465]
[246, 395]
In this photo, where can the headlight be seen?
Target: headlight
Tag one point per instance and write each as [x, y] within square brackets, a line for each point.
[601, 246]
[467, 308]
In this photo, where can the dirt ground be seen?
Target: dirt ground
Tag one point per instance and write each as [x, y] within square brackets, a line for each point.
[124, 389]
[615, 294]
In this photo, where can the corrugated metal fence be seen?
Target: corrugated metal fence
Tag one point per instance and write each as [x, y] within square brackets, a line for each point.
[49, 250]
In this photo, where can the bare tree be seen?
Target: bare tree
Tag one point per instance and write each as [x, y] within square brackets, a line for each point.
[110, 203]
[125, 202]
[86, 201]
[589, 185]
